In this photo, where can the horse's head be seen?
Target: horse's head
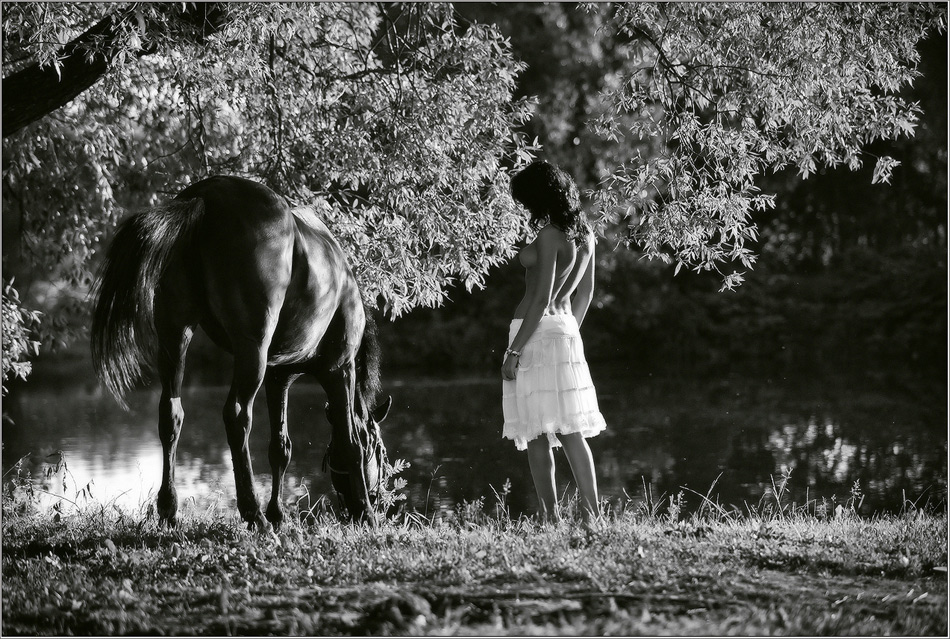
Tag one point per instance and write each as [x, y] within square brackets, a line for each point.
[356, 466]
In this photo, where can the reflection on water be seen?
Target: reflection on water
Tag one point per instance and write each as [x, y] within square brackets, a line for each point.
[667, 435]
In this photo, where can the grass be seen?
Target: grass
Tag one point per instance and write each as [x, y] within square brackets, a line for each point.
[644, 570]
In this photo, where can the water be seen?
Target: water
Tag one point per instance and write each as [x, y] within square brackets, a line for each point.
[665, 436]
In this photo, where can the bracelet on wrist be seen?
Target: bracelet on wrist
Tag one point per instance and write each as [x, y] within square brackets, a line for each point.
[509, 351]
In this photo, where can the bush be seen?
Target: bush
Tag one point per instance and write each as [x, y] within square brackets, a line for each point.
[18, 342]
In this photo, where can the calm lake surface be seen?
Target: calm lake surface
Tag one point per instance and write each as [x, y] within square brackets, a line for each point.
[669, 435]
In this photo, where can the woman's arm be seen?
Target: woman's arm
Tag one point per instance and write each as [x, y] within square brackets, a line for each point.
[538, 299]
[585, 289]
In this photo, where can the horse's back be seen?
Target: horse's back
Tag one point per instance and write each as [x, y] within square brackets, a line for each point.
[230, 189]
[237, 266]
[266, 274]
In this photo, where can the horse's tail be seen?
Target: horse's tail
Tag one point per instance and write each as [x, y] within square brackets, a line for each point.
[123, 335]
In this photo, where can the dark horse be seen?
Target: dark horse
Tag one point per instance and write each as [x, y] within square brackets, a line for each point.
[271, 286]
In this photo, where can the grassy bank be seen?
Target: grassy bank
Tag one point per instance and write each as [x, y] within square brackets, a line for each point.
[100, 571]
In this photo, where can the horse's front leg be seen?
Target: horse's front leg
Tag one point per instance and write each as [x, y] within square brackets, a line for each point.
[276, 388]
[249, 368]
[345, 453]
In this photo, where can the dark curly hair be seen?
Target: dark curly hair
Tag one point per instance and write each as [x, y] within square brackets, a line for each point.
[550, 195]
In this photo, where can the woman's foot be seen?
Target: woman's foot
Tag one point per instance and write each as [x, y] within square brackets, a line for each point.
[544, 521]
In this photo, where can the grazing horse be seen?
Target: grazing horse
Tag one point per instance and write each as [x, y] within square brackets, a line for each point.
[271, 286]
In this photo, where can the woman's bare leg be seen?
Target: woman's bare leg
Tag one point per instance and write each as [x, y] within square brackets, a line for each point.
[541, 461]
[582, 466]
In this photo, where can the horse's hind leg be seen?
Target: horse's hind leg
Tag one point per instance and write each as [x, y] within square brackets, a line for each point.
[249, 366]
[276, 387]
[173, 345]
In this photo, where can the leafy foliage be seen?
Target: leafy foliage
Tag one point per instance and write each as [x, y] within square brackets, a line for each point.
[396, 126]
[399, 145]
[731, 91]
[571, 57]
[18, 344]
[809, 300]
[399, 125]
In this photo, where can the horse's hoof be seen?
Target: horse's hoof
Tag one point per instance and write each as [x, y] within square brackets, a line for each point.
[275, 515]
[258, 523]
[167, 512]
[167, 504]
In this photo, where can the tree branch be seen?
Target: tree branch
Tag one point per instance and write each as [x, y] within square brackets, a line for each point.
[36, 91]
[33, 92]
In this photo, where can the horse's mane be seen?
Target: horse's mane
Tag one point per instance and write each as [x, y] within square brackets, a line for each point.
[367, 364]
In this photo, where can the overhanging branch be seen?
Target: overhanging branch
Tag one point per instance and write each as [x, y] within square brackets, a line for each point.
[35, 91]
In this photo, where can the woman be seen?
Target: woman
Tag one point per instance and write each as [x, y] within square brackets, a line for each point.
[548, 397]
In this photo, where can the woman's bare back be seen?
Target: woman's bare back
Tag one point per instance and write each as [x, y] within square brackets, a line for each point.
[569, 267]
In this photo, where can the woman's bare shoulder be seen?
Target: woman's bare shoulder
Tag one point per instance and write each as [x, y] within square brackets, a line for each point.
[549, 230]
[550, 234]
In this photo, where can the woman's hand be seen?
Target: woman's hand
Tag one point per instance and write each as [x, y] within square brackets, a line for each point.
[510, 368]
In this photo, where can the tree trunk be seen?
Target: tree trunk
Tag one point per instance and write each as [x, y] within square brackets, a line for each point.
[34, 92]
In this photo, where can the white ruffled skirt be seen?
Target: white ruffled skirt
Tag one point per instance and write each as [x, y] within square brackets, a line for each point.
[552, 392]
